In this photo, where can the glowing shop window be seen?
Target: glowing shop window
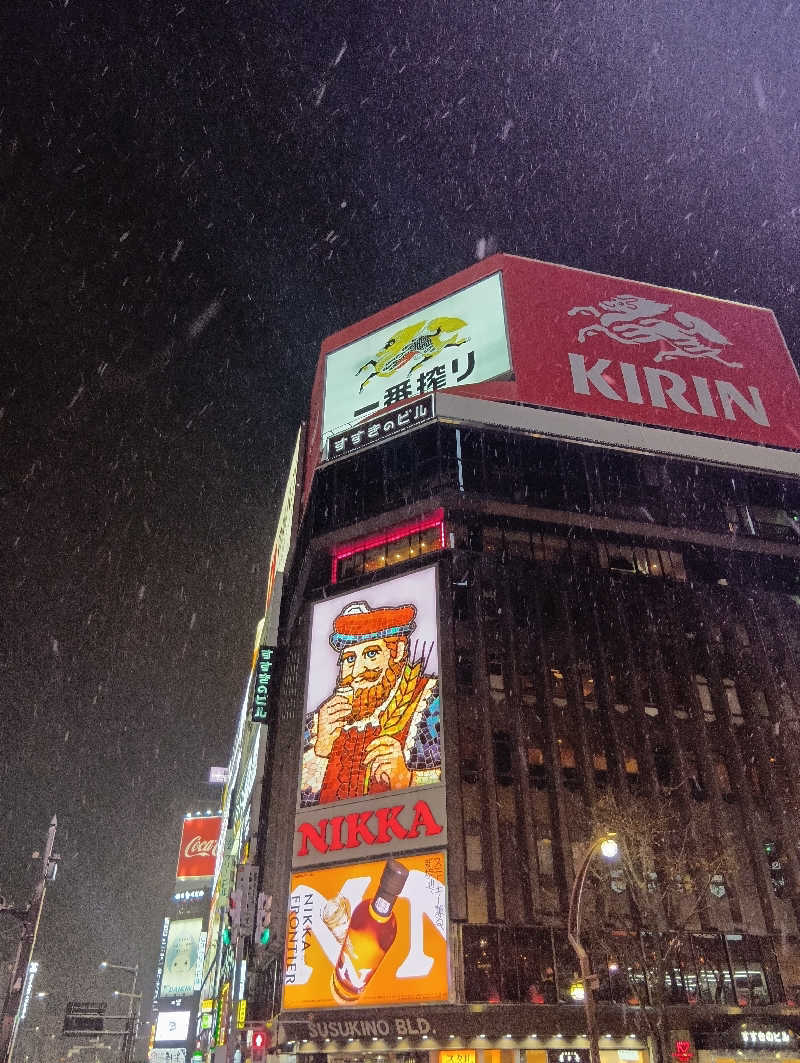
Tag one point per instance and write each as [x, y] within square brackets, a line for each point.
[386, 548]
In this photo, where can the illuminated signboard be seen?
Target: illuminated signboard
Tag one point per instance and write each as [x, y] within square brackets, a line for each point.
[167, 1055]
[455, 341]
[162, 952]
[373, 713]
[261, 681]
[27, 987]
[368, 827]
[221, 1029]
[457, 1055]
[198, 852]
[282, 543]
[217, 776]
[181, 957]
[568, 1055]
[637, 352]
[378, 429]
[767, 1038]
[201, 953]
[339, 954]
[602, 360]
[188, 895]
[172, 1026]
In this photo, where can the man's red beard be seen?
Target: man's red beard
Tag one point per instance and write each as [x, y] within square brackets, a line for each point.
[366, 700]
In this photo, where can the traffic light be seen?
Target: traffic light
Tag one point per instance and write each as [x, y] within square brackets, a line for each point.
[227, 928]
[259, 1043]
[235, 906]
[263, 919]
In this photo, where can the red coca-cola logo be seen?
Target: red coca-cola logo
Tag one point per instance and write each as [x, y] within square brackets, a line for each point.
[198, 852]
[198, 846]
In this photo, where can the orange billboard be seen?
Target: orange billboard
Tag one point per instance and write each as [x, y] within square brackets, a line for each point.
[367, 934]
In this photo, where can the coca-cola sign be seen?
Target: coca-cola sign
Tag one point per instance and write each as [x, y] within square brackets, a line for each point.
[198, 851]
[198, 846]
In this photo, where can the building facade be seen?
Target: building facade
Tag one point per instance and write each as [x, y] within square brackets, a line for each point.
[512, 625]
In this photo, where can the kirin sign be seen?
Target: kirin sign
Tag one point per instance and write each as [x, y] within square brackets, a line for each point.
[198, 852]
[636, 352]
[583, 343]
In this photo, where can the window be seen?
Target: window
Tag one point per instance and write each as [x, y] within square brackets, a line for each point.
[600, 761]
[559, 686]
[503, 758]
[483, 971]
[465, 673]
[494, 665]
[537, 772]
[704, 694]
[694, 776]
[780, 525]
[714, 982]
[632, 771]
[470, 770]
[549, 547]
[569, 767]
[387, 548]
[527, 685]
[723, 780]
[662, 759]
[776, 875]
[734, 706]
[644, 561]
[749, 977]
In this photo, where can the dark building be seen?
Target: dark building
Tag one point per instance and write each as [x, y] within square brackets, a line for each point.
[617, 627]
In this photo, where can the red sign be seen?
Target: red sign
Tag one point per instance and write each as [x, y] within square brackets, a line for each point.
[374, 826]
[683, 1052]
[198, 853]
[623, 350]
[615, 348]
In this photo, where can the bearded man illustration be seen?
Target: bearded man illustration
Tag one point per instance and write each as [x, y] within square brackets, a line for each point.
[379, 730]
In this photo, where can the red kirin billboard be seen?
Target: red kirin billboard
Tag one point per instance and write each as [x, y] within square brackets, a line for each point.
[198, 853]
[579, 342]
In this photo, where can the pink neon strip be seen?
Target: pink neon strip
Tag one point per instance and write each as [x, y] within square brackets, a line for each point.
[435, 519]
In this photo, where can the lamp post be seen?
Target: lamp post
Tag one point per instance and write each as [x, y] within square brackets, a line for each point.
[28, 917]
[132, 1022]
[608, 847]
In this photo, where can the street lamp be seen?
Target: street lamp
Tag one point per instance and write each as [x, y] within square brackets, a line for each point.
[132, 1021]
[606, 845]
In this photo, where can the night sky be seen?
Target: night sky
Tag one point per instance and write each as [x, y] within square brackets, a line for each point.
[192, 195]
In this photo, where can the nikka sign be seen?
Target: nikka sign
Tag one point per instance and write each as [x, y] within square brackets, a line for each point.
[403, 821]
[198, 852]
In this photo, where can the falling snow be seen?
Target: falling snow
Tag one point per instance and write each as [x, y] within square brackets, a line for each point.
[195, 198]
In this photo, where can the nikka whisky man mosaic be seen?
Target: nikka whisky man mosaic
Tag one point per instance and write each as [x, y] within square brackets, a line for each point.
[373, 715]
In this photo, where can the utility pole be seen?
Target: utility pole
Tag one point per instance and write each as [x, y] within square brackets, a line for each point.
[128, 1043]
[29, 918]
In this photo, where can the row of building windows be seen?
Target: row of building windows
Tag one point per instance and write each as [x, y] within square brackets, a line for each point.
[539, 775]
[537, 965]
[393, 546]
[375, 553]
[537, 472]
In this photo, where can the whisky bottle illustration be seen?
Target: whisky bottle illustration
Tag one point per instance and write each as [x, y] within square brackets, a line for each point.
[373, 928]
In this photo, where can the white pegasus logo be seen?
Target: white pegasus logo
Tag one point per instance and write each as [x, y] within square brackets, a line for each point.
[631, 319]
